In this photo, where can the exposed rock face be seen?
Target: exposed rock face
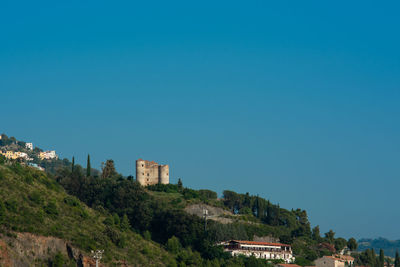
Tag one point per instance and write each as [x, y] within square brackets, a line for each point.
[24, 249]
[214, 213]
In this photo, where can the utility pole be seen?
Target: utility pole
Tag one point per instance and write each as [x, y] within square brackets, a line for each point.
[97, 256]
[205, 213]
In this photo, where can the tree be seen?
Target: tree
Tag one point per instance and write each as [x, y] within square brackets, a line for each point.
[340, 243]
[397, 259]
[109, 169]
[173, 245]
[73, 164]
[88, 168]
[316, 235]
[180, 185]
[330, 236]
[381, 258]
[352, 244]
[125, 225]
[2, 212]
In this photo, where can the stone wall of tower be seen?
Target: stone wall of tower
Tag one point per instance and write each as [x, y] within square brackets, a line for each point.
[164, 174]
[149, 173]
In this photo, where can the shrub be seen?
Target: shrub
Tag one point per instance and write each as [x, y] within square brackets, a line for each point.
[36, 197]
[51, 208]
[207, 194]
[173, 245]
[71, 201]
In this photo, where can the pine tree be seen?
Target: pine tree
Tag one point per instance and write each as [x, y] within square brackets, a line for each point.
[73, 164]
[88, 168]
[397, 259]
[125, 225]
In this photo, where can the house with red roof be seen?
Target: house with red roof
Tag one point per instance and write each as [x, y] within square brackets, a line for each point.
[262, 250]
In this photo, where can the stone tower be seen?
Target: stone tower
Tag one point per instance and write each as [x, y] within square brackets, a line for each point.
[150, 172]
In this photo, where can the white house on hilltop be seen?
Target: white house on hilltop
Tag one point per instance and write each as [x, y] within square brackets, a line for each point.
[29, 146]
[48, 155]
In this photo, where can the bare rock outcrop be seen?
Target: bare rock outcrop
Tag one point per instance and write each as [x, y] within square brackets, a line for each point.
[24, 249]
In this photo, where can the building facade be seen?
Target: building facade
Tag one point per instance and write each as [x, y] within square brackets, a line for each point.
[262, 250]
[48, 155]
[150, 172]
[334, 261]
[29, 146]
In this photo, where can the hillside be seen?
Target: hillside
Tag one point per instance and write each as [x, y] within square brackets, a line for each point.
[31, 202]
[143, 226]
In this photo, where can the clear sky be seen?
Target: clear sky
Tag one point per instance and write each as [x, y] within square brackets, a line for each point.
[297, 101]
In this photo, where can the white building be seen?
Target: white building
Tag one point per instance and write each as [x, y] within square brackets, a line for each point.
[29, 146]
[48, 155]
[21, 155]
[263, 250]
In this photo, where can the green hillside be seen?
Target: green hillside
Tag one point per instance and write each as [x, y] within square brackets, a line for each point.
[32, 202]
[144, 226]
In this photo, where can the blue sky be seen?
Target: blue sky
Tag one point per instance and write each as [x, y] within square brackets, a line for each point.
[295, 101]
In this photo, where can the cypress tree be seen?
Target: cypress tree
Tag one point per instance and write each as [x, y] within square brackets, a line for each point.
[88, 166]
[73, 164]
[397, 259]
[180, 185]
[381, 258]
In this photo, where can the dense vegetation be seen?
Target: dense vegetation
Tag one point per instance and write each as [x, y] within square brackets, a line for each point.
[31, 202]
[157, 214]
[158, 211]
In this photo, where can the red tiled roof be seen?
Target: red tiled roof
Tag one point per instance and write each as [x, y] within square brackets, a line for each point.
[259, 243]
[289, 265]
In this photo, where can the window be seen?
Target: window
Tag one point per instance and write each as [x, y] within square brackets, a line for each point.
[142, 165]
[148, 174]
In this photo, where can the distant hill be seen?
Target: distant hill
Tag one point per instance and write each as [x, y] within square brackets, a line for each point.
[388, 246]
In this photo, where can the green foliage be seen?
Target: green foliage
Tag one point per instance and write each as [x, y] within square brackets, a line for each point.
[42, 208]
[125, 225]
[51, 208]
[109, 169]
[340, 243]
[88, 167]
[36, 197]
[58, 260]
[330, 236]
[316, 235]
[352, 244]
[147, 235]
[173, 245]
[180, 185]
[206, 194]
[2, 212]
[71, 201]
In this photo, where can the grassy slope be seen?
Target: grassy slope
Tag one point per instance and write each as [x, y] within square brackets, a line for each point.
[37, 204]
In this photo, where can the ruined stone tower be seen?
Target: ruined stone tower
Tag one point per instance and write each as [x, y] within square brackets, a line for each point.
[150, 172]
